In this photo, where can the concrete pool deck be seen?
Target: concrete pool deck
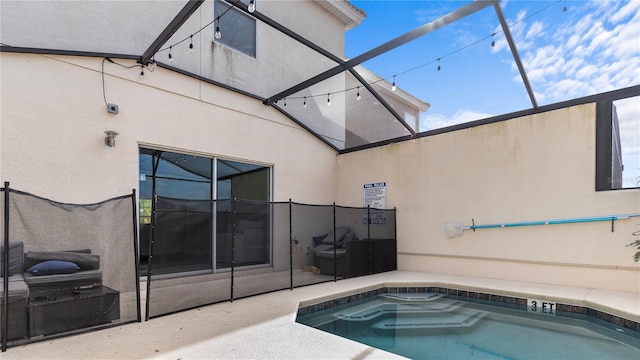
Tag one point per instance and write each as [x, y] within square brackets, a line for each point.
[264, 327]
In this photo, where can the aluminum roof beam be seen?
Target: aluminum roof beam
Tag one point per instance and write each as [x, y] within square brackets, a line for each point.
[322, 51]
[388, 46]
[382, 101]
[189, 8]
[516, 56]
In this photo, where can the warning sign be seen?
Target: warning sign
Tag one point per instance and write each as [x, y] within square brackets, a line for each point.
[375, 197]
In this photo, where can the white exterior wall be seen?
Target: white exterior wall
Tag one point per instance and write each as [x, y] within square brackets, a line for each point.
[121, 27]
[54, 118]
[539, 167]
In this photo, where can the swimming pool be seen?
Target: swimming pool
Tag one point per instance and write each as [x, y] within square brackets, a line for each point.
[437, 325]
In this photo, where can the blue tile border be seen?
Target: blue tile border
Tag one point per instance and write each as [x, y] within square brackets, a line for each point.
[597, 317]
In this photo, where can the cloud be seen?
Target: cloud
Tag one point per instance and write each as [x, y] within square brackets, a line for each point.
[593, 49]
[436, 121]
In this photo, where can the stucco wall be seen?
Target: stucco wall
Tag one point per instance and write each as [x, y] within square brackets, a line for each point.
[538, 167]
[54, 118]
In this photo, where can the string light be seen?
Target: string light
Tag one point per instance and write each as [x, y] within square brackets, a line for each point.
[393, 85]
[217, 34]
[285, 102]
[493, 41]
[170, 56]
[191, 44]
[252, 6]
[564, 9]
[304, 104]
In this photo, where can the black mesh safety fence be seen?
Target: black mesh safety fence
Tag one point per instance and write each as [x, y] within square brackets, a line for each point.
[72, 268]
[200, 252]
[261, 248]
[312, 259]
[178, 255]
[382, 234]
[66, 268]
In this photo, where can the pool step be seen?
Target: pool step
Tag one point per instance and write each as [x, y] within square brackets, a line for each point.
[379, 308]
[462, 318]
[412, 297]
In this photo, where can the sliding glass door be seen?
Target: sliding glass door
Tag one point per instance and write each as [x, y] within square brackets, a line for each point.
[184, 231]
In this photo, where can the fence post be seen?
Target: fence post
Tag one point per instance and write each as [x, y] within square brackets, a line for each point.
[150, 258]
[335, 255]
[233, 243]
[136, 252]
[370, 259]
[290, 245]
[5, 253]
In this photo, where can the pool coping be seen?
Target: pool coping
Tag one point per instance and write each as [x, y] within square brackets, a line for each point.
[577, 308]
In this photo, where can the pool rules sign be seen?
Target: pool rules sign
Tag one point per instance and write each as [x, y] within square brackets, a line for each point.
[375, 197]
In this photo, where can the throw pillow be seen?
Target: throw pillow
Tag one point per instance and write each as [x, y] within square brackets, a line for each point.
[340, 233]
[317, 240]
[51, 267]
[348, 237]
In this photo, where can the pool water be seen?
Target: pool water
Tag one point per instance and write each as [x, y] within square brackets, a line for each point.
[432, 326]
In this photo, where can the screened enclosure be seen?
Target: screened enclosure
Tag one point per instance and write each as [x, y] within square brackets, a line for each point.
[259, 247]
[69, 268]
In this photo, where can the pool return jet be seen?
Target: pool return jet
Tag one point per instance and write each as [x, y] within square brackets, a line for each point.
[452, 229]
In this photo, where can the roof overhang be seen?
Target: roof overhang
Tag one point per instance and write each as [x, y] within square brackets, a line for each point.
[350, 15]
[404, 96]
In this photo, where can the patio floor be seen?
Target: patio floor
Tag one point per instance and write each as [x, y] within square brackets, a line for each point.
[264, 327]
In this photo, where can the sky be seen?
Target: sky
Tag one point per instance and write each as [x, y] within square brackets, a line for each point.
[592, 47]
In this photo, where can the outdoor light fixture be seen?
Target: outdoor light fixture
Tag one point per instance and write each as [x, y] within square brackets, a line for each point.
[252, 6]
[304, 104]
[217, 34]
[170, 56]
[110, 138]
[328, 100]
[191, 44]
[358, 97]
[393, 86]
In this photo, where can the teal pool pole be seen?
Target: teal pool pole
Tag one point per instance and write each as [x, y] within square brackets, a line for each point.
[554, 222]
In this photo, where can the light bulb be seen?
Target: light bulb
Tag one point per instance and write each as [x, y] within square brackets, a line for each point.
[191, 44]
[142, 72]
[170, 56]
[358, 97]
[393, 86]
[252, 6]
[217, 35]
[304, 104]
[285, 102]
[328, 100]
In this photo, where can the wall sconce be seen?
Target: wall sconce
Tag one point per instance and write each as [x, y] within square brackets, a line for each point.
[110, 139]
